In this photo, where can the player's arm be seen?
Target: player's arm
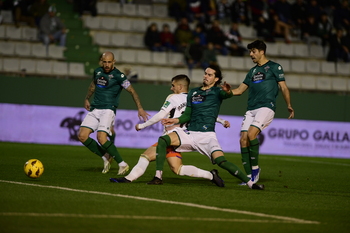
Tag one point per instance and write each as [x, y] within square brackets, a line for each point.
[286, 96]
[156, 118]
[90, 92]
[225, 123]
[226, 91]
[185, 117]
[240, 89]
[141, 113]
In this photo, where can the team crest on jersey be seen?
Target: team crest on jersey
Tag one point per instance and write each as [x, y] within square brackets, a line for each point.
[267, 68]
[198, 99]
[258, 77]
[102, 82]
[110, 76]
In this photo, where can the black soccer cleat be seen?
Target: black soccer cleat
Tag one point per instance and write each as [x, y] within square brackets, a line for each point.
[217, 179]
[258, 186]
[155, 181]
[119, 180]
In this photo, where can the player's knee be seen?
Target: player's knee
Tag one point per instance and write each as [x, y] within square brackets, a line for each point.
[82, 137]
[164, 141]
[149, 158]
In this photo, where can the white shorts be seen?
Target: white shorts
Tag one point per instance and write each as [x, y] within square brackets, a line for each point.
[100, 120]
[260, 118]
[204, 142]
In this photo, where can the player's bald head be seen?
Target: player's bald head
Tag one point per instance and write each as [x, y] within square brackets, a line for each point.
[107, 61]
[108, 55]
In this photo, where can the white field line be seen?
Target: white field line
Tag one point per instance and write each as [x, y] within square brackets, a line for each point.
[98, 216]
[309, 161]
[285, 219]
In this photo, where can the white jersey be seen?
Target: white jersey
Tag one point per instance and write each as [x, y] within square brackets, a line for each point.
[173, 107]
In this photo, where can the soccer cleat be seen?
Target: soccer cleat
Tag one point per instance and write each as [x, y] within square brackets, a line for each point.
[155, 181]
[123, 170]
[242, 184]
[119, 180]
[258, 186]
[256, 174]
[106, 167]
[216, 178]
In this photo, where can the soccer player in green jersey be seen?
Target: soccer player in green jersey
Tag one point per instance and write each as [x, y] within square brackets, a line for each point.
[202, 109]
[263, 81]
[106, 85]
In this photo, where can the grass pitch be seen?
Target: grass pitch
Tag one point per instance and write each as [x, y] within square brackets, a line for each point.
[302, 194]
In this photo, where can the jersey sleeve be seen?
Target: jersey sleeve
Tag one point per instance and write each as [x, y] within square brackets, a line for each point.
[164, 111]
[279, 73]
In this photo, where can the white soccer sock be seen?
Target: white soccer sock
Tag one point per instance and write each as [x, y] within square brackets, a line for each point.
[138, 170]
[159, 174]
[188, 170]
[104, 159]
[122, 164]
[250, 183]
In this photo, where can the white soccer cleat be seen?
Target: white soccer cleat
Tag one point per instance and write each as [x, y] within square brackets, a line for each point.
[106, 167]
[123, 170]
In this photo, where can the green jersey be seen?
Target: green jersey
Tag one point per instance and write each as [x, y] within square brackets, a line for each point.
[205, 106]
[263, 85]
[108, 88]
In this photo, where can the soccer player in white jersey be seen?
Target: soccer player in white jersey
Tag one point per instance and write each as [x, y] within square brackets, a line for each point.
[173, 106]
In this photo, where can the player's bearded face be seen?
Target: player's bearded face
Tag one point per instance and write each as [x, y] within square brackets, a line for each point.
[108, 65]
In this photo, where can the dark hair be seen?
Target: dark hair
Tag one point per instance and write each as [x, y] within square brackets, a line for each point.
[258, 44]
[218, 73]
[182, 77]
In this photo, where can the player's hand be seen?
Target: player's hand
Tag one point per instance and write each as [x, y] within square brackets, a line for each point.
[227, 124]
[87, 104]
[291, 112]
[137, 127]
[226, 87]
[143, 115]
[170, 121]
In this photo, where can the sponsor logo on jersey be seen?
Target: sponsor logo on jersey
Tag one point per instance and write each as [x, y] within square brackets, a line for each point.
[258, 77]
[98, 73]
[166, 104]
[102, 82]
[198, 99]
[181, 106]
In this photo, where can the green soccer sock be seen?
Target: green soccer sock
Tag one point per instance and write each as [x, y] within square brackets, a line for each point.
[246, 160]
[112, 138]
[163, 143]
[92, 145]
[231, 168]
[254, 152]
[112, 151]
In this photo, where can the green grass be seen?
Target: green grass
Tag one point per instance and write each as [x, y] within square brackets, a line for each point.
[302, 194]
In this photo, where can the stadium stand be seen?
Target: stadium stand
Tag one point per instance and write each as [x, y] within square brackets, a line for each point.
[120, 29]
